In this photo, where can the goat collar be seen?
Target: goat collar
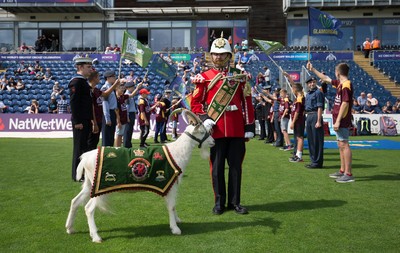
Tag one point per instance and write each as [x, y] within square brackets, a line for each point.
[197, 139]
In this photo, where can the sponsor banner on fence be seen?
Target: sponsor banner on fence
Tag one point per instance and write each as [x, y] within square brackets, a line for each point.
[57, 123]
[375, 122]
[303, 56]
[384, 56]
[55, 57]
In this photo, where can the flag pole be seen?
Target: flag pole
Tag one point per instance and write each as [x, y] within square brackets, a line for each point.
[120, 65]
[276, 64]
[308, 37]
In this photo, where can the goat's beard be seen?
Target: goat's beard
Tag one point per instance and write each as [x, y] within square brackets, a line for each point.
[205, 153]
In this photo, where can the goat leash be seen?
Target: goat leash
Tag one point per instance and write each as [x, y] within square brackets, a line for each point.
[196, 139]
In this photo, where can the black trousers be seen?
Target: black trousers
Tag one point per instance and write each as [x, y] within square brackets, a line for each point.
[315, 137]
[93, 139]
[163, 134]
[262, 128]
[270, 131]
[232, 150]
[80, 140]
[144, 132]
[129, 130]
[108, 132]
[277, 126]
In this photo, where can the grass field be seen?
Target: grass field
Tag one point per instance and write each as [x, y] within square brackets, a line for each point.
[292, 209]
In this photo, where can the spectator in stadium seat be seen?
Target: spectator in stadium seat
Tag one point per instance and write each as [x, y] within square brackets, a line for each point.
[245, 45]
[48, 75]
[34, 108]
[108, 50]
[130, 77]
[4, 83]
[117, 49]
[267, 75]
[253, 58]
[238, 47]
[374, 101]
[357, 108]
[244, 59]
[396, 109]
[37, 67]
[21, 68]
[362, 99]
[57, 90]
[53, 107]
[366, 47]
[368, 108]
[63, 106]
[260, 80]
[3, 107]
[11, 84]
[39, 75]
[24, 47]
[389, 106]
[384, 110]
[236, 56]
[20, 84]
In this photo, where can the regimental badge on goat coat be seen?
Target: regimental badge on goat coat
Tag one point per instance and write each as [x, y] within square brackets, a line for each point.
[151, 169]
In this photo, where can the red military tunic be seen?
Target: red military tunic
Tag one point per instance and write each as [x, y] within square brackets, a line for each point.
[238, 118]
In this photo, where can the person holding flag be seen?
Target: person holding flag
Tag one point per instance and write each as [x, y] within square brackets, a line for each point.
[341, 114]
[222, 99]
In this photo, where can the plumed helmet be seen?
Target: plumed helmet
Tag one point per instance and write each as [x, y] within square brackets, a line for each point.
[220, 46]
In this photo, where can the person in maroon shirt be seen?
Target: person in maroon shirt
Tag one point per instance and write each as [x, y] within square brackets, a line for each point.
[122, 115]
[298, 122]
[144, 117]
[159, 109]
[97, 94]
[341, 114]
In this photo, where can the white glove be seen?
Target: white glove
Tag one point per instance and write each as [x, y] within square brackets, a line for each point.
[197, 79]
[208, 124]
[249, 135]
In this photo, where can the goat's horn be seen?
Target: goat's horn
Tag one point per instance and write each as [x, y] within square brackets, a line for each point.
[176, 111]
[192, 117]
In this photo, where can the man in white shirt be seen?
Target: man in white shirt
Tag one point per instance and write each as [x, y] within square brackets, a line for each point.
[267, 75]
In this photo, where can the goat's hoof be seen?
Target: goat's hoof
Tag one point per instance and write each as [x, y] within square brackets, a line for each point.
[97, 239]
[70, 231]
[176, 231]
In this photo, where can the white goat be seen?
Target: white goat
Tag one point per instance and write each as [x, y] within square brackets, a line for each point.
[195, 134]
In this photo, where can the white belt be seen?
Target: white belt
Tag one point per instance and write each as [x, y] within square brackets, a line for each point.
[230, 108]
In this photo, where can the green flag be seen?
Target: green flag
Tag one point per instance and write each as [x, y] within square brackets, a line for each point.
[133, 50]
[268, 46]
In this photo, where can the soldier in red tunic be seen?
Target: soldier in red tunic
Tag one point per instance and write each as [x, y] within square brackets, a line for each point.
[222, 99]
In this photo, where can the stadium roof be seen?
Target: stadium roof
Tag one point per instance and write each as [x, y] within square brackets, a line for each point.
[35, 7]
[93, 7]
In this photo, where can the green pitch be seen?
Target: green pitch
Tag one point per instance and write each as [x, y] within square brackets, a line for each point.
[292, 209]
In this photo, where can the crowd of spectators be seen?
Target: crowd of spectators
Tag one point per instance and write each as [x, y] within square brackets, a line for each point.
[368, 104]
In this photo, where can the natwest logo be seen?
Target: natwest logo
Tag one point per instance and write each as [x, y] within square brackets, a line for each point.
[35, 122]
[39, 124]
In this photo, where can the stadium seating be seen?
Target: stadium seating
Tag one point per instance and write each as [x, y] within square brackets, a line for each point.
[390, 69]
[17, 101]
